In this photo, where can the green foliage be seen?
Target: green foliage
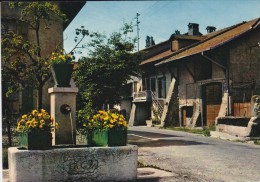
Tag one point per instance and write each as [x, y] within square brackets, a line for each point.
[205, 131]
[22, 60]
[156, 119]
[109, 65]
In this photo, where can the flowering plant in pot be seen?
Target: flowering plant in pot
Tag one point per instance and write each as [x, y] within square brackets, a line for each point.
[35, 130]
[61, 68]
[117, 132]
[95, 127]
[106, 128]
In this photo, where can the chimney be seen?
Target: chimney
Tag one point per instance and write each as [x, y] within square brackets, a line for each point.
[210, 29]
[193, 29]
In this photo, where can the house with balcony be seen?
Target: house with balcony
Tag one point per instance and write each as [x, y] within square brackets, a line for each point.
[196, 78]
[149, 102]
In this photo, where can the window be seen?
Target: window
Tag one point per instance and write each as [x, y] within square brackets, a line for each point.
[162, 87]
[153, 84]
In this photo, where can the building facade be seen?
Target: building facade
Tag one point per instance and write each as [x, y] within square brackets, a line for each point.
[51, 36]
[200, 77]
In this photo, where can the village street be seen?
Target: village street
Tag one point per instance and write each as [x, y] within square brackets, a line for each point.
[195, 158]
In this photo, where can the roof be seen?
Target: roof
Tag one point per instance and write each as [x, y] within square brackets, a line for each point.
[158, 57]
[167, 53]
[214, 40]
[187, 37]
[71, 9]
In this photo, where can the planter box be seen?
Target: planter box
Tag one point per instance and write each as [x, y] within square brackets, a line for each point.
[62, 74]
[117, 137]
[98, 138]
[74, 164]
[36, 140]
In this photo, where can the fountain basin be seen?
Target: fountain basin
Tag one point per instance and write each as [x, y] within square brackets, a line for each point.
[73, 164]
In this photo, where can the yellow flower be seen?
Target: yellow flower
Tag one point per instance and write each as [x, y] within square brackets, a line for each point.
[84, 124]
[105, 118]
[34, 112]
[42, 122]
[24, 116]
[56, 125]
[115, 116]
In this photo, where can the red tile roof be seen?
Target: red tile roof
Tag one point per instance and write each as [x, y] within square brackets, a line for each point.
[158, 57]
[164, 55]
[188, 37]
[213, 40]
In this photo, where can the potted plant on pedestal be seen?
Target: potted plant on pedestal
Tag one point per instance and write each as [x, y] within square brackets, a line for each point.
[61, 68]
[35, 130]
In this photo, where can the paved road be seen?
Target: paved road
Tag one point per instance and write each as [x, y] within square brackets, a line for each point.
[196, 158]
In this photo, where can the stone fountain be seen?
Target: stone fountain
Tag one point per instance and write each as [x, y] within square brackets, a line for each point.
[67, 161]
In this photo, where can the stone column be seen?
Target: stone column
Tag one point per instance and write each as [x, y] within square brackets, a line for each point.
[60, 96]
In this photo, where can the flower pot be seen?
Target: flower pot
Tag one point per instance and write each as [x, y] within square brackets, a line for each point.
[62, 74]
[149, 123]
[97, 138]
[117, 137]
[36, 140]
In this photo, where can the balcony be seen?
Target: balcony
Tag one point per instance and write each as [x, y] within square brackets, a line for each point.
[143, 96]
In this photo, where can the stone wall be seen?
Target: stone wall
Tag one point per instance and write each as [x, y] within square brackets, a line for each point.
[73, 164]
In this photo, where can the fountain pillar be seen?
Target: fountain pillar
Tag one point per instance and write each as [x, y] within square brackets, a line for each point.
[63, 110]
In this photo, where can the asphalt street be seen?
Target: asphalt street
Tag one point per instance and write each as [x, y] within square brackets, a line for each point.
[192, 157]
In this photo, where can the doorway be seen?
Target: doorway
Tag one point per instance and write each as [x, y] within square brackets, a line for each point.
[212, 97]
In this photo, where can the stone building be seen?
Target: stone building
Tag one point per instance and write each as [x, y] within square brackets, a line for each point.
[50, 38]
[191, 79]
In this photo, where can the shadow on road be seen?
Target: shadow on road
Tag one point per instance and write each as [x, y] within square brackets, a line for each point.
[163, 142]
[149, 139]
[150, 134]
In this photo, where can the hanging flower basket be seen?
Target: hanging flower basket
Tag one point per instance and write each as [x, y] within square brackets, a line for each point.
[97, 138]
[117, 137]
[62, 74]
[36, 140]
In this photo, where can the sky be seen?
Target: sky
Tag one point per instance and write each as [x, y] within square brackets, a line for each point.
[159, 19]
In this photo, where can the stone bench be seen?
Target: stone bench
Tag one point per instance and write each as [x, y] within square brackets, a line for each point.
[239, 126]
[73, 164]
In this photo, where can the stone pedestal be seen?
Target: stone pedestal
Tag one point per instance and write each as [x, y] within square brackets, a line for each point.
[58, 97]
[74, 164]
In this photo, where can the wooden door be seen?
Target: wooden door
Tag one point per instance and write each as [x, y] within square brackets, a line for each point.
[213, 97]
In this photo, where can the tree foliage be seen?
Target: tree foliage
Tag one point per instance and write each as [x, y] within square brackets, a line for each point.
[23, 62]
[110, 64]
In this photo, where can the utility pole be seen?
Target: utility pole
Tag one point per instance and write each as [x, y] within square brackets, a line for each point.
[137, 26]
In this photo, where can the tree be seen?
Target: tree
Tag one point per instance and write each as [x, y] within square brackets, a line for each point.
[110, 64]
[149, 41]
[23, 60]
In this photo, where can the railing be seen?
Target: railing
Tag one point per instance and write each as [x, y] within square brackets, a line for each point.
[156, 104]
[142, 96]
[148, 95]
